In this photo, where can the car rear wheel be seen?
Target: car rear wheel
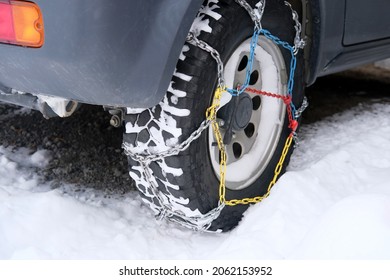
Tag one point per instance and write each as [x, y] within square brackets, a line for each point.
[254, 127]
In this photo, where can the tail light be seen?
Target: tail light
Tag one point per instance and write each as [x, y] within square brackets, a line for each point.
[21, 23]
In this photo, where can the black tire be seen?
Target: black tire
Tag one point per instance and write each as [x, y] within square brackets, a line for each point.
[188, 180]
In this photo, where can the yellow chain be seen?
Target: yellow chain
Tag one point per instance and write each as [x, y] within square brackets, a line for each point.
[278, 170]
[211, 115]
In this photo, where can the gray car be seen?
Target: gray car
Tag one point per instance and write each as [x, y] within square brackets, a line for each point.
[210, 92]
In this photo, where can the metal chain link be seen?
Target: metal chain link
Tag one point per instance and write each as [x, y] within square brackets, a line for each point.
[300, 110]
[255, 14]
[299, 43]
[171, 151]
[192, 39]
[197, 223]
[203, 222]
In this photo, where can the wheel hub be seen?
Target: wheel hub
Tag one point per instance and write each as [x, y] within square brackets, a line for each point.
[242, 114]
[236, 115]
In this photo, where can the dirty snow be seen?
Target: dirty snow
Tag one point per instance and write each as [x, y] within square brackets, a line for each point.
[383, 64]
[333, 203]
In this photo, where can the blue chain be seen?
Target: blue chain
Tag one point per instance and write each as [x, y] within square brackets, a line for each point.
[253, 44]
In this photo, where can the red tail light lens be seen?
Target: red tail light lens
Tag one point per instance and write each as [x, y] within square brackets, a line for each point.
[21, 23]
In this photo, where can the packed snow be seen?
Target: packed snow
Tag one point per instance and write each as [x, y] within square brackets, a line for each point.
[332, 203]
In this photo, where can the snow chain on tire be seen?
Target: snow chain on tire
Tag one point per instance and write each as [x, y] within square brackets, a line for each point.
[163, 204]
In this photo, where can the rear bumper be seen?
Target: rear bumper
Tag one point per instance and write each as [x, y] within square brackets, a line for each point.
[117, 53]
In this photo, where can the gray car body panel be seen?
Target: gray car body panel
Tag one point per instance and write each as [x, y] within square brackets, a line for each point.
[117, 53]
[366, 21]
[338, 42]
[122, 53]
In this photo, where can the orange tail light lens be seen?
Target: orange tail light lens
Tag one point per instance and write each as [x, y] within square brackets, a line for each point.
[21, 23]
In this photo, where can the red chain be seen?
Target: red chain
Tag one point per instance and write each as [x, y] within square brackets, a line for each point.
[293, 124]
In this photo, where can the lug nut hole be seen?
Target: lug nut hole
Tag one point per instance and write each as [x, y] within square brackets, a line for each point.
[243, 63]
[250, 130]
[237, 150]
[254, 77]
[256, 101]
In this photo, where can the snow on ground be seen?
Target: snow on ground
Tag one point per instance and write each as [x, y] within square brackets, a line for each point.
[383, 64]
[333, 203]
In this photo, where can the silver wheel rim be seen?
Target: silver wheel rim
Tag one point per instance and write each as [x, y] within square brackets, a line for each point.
[252, 149]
